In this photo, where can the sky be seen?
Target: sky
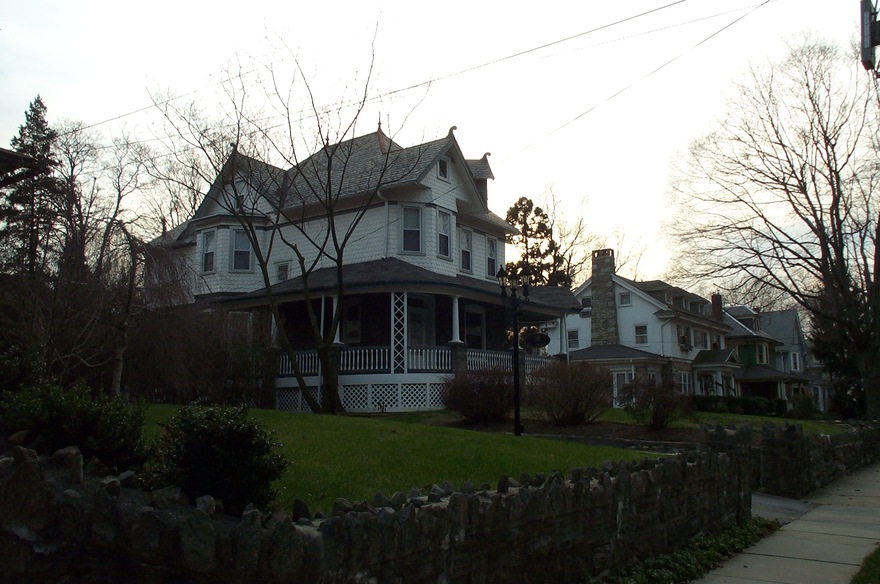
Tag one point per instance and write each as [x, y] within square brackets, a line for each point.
[594, 100]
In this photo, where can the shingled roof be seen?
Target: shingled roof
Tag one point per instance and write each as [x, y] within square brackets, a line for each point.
[393, 273]
[362, 164]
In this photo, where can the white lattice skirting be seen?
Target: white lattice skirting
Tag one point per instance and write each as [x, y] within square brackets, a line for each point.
[373, 397]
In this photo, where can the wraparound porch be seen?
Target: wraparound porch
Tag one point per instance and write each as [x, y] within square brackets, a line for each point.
[371, 380]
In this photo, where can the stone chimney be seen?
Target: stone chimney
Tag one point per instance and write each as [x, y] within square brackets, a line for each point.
[604, 320]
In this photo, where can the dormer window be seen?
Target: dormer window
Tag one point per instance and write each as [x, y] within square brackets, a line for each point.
[443, 169]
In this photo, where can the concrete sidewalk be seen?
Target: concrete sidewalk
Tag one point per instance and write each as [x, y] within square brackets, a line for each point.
[823, 539]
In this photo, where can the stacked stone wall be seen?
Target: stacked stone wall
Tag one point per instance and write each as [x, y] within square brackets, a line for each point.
[59, 524]
[790, 464]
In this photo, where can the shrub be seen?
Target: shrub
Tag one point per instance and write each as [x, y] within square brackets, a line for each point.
[110, 429]
[752, 406]
[571, 394]
[219, 451]
[709, 403]
[655, 405]
[803, 408]
[481, 396]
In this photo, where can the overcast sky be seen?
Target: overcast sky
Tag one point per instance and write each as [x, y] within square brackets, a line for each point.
[594, 99]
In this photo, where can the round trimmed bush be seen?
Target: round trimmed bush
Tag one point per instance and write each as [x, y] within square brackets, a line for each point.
[222, 452]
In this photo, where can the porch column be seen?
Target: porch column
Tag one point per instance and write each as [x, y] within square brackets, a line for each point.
[563, 336]
[456, 338]
[336, 339]
[398, 332]
[718, 382]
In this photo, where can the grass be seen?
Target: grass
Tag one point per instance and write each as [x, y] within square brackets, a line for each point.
[354, 457]
[870, 571]
[618, 415]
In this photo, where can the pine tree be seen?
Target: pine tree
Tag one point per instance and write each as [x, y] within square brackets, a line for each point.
[539, 251]
[27, 210]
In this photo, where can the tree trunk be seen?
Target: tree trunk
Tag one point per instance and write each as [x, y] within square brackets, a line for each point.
[330, 401]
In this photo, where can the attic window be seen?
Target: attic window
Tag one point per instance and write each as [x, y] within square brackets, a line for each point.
[587, 307]
[443, 169]
[626, 299]
[283, 272]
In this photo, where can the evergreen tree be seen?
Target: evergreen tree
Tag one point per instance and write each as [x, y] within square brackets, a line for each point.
[539, 250]
[27, 210]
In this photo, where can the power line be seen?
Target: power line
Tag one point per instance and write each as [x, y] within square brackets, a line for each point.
[646, 76]
[421, 83]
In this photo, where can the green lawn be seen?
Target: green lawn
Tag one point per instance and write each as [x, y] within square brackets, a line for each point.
[354, 457]
[870, 571]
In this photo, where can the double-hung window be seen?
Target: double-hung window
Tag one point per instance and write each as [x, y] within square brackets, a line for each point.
[641, 334]
[208, 251]
[412, 229]
[466, 243]
[795, 361]
[761, 354]
[491, 257]
[444, 225]
[241, 251]
[574, 341]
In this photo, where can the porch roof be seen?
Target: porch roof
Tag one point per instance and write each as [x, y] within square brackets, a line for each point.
[766, 373]
[611, 353]
[395, 275]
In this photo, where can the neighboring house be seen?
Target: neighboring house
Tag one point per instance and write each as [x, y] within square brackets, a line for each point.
[421, 295]
[647, 329]
[772, 350]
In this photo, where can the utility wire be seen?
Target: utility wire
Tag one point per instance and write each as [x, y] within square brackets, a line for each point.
[421, 83]
[647, 75]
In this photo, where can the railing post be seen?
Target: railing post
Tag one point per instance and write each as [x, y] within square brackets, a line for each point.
[459, 357]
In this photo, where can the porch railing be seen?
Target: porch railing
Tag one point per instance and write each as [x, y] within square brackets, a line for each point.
[420, 359]
[477, 360]
[365, 360]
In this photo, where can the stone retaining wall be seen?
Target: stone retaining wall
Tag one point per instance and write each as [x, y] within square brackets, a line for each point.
[790, 464]
[59, 524]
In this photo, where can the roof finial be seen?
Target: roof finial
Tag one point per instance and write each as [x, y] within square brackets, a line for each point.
[452, 129]
[380, 122]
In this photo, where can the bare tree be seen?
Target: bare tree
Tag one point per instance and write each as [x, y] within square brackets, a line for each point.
[310, 206]
[781, 198]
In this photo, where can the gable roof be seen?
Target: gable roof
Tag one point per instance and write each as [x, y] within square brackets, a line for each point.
[358, 166]
[784, 326]
[740, 331]
[716, 357]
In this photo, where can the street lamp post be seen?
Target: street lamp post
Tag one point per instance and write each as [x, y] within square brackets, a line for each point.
[517, 283]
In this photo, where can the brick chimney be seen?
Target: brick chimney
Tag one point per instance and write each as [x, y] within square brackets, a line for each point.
[604, 320]
[716, 307]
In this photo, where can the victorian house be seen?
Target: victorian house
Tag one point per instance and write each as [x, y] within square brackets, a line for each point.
[421, 298]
